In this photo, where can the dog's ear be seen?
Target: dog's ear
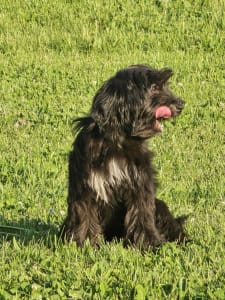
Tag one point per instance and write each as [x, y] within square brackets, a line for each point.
[158, 79]
[109, 109]
[164, 75]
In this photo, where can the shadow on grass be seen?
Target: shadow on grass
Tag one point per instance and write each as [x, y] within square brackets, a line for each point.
[29, 230]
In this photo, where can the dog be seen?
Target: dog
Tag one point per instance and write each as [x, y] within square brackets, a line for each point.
[112, 183]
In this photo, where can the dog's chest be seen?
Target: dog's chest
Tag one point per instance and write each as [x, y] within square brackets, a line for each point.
[108, 181]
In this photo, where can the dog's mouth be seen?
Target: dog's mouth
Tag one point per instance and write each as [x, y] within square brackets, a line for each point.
[161, 113]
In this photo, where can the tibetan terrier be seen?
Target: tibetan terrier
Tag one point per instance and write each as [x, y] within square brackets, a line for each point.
[112, 183]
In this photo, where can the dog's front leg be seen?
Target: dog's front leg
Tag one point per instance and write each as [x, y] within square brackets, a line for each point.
[82, 223]
[140, 225]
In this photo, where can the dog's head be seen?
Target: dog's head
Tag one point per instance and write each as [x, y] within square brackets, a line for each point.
[131, 103]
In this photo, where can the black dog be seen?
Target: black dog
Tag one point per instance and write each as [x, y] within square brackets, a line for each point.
[112, 184]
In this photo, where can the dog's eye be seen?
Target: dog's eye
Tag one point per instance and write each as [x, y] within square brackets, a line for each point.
[154, 89]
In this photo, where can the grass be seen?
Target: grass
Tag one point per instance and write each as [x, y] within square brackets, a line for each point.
[53, 57]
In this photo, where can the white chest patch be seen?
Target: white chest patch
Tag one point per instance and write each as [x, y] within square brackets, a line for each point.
[103, 182]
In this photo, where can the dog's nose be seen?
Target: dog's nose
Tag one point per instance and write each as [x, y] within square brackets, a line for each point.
[180, 103]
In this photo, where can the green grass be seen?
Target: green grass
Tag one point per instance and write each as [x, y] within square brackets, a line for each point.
[53, 57]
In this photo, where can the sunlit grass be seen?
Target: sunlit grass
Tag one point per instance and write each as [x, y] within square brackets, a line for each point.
[54, 55]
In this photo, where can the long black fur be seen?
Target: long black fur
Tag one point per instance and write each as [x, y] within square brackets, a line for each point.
[112, 183]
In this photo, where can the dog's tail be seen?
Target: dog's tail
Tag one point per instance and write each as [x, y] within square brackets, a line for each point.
[83, 123]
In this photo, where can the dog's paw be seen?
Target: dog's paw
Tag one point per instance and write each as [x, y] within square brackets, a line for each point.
[145, 241]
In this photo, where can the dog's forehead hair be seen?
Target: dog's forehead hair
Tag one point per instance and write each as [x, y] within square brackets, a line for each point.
[145, 73]
[133, 69]
[141, 67]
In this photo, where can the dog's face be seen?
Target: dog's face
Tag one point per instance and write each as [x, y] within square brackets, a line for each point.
[132, 103]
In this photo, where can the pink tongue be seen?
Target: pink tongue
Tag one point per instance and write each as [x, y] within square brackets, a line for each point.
[163, 112]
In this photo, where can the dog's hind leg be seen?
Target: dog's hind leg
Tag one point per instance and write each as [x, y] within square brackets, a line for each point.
[171, 228]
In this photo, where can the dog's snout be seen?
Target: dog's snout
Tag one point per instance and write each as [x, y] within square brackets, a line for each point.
[180, 103]
[178, 106]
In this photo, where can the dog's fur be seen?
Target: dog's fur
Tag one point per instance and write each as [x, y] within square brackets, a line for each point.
[112, 184]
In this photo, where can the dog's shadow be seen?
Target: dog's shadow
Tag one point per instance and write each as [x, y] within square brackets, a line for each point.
[28, 230]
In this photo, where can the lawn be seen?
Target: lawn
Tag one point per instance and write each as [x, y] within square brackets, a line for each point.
[54, 55]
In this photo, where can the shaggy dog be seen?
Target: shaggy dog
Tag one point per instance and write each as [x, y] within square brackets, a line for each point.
[112, 184]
